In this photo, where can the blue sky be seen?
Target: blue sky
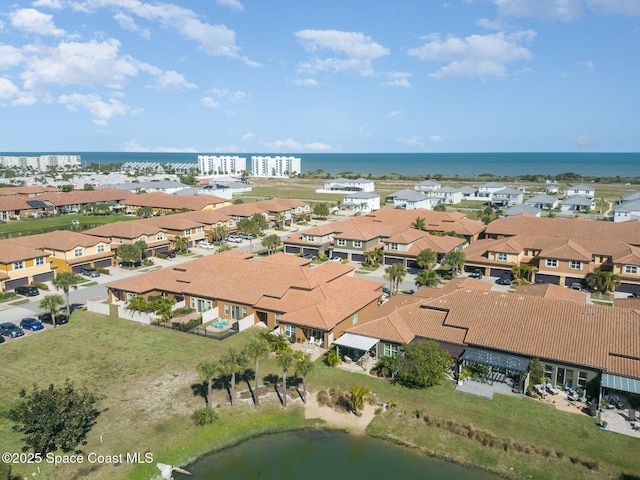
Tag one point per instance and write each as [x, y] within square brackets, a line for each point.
[295, 76]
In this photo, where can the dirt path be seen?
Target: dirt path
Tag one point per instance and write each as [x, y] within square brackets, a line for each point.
[347, 421]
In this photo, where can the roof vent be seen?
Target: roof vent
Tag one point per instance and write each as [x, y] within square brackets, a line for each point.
[178, 269]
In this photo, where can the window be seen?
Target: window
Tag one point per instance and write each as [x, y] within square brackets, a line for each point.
[143, 238]
[77, 252]
[235, 312]
[226, 309]
[582, 379]
[290, 331]
[39, 260]
[100, 248]
[19, 265]
[187, 231]
[230, 223]
[551, 262]
[244, 312]
[357, 244]
[198, 229]
[632, 269]
[393, 246]
[390, 350]
[159, 236]
[192, 302]
[548, 372]
[502, 257]
[311, 238]
[575, 265]
[341, 242]
[354, 318]
[278, 318]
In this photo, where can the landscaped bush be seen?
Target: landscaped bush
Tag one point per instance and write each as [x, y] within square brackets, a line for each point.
[332, 358]
[178, 312]
[41, 286]
[147, 262]
[204, 416]
[104, 271]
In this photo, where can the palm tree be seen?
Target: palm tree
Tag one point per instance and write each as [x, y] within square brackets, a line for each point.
[142, 246]
[162, 306]
[603, 281]
[208, 369]
[180, 243]
[285, 360]
[63, 281]
[277, 343]
[304, 367]
[280, 219]
[271, 243]
[427, 278]
[51, 303]
[395, 274]
[138, 303]
[232, 363]
[419, 224]
[256, 349]
[357, 397]
[260, 222]
[218, 234]
[455, 259]
[426, 258]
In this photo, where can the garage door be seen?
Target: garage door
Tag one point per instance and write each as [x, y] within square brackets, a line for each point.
[18, 282]
[498, 272]
[162, 249]
[78, 268]
[391, 260]
[412, 264]
[106, 263]
[357, 257]
[628, 288]
[43, 277]
[291, 249]
[547, 278]
[312, 251]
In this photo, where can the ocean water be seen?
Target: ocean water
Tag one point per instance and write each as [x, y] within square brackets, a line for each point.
[464, 164]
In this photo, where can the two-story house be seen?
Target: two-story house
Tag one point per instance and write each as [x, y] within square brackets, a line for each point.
[22, 265]
[409, 199]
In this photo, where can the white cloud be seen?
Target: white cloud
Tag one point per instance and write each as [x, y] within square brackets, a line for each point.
[54, 4]
[225, 94]
[585, 142]
[174, 81]
[563, 10]
[128, 23]
[356, 51]
[415, 141]
[215, 40]
[395, 115]
[436, 138]
[397, 79]
[73, 63]
[475, 55]
[9, 91]
[32, 21]
[134, 146]
[305, 82]
[101, 111]
[10, 56]
[208, 102]
[237, 96]
[232, 4]
[626, 7]
[293, 145]
[589, 65]
[247, 136]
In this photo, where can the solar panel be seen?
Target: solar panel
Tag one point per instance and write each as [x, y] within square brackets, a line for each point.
[36, 203]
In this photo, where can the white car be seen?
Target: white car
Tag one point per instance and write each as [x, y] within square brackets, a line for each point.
[234, 239]
[206, 245]
[336, 259]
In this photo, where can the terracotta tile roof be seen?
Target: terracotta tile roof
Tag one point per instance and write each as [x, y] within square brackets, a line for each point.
[130, 230]
[173, 202]
[16, 202]
[549, 290]
[568, 332]
[82, 197]
[206, 217]
[632, 303]
[439, 244]
[10, 252]
[171, 222]
[61, 240]
[451, 286]
[568, 251]
[283, 258]
[32, 190]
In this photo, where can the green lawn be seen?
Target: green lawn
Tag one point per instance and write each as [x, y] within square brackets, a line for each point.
[40, 225]
[147, 375]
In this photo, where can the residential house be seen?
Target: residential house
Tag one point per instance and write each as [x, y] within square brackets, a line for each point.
[622, 212]
[130, 232]
[363, 202]
[77, 200]
[446, 195]
[178, 226]
[163, 203]
[22, 265]
[543, 202]
[314, 240]
[427, 186]
[577, 203]
[406, 246]
[20, 207]
[69, 251]
[486, 190]
[166, 186]
[507, 197]
[299, 301]
[523, 208]
[27, 191]
[409, 199]
[581, 189]
[468, 192]
[346, 185]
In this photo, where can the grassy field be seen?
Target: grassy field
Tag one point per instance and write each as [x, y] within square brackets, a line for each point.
[39, 225]
[147, 377]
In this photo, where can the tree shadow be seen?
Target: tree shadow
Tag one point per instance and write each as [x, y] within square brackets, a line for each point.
[200, 390]
[248, 377]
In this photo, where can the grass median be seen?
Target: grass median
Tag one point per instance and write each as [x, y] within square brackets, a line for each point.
[149, 385]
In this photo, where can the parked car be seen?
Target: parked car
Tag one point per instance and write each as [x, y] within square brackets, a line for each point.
[171, 254]
[504, 280]
[335, 259]
[1, 339]
[475, 274]
[61, 318]
[9, 329]
[31, 323]
[207, 245]
[234, 239]
[90, 272]
[308, 256]
[27, 291]
[246, 236]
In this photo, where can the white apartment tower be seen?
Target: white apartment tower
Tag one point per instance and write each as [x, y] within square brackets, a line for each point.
[278, 166]
[41, 162]
[221, 164]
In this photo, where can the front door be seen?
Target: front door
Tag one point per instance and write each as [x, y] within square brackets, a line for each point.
[560, 377]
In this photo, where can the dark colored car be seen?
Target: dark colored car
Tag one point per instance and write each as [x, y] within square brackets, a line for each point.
[475, 274]
[171, 254]
[504, 280]
[61, 318]
[308, 256]
[2, 340]
[31, 323]
[90, 272]
[9, 329]
[27, 291]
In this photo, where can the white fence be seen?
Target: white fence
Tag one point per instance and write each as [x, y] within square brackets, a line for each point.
[99, 305]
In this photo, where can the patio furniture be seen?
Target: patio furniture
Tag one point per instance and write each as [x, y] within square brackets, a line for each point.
[551, 389]
[540, 390]
[573, 396]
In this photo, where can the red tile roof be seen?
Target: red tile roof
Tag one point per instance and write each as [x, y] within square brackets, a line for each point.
[174, 202]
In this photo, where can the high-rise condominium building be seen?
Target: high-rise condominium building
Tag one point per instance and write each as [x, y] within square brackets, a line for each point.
[278, 166]
[41, 162]
[221, 164]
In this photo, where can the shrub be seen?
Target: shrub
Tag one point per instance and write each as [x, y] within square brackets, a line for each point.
[41, 286]
[104, 271]
[162, 256]
[332, 358]
[204, 416]
[147, 262]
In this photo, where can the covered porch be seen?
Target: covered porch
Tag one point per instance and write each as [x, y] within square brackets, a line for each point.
[357, 350]
[507, 371]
